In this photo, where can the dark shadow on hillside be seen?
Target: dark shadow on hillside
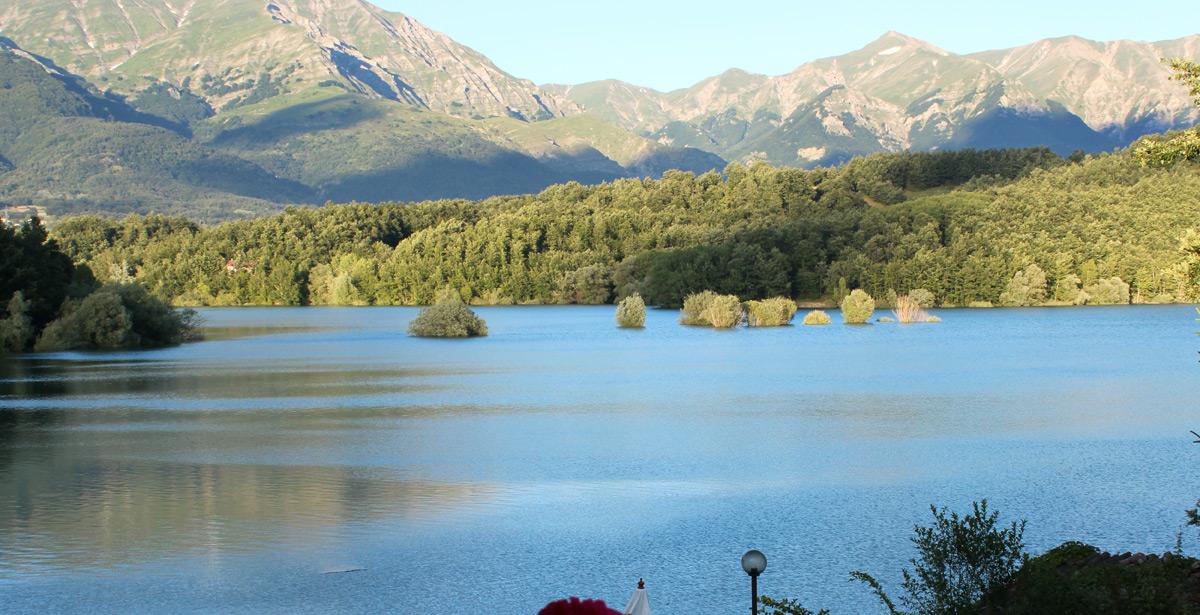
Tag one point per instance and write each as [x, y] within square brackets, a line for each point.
[103, 106]
[436, 176]
[688, 159]
[243, 178]
[1058, 129]
[330, 114]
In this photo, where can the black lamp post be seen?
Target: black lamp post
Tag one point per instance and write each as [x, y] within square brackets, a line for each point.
[754, 563]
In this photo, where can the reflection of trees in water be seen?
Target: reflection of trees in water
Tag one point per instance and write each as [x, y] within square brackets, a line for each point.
[65, 510]
[49, 379]
[129, 460]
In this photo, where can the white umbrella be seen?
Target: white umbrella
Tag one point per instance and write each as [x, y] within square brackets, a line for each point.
[639, 604]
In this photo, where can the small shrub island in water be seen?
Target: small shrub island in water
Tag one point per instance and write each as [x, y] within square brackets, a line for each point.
[449, 317]
[857, 307]
[817, 318]
[777, 312]
[631, 312]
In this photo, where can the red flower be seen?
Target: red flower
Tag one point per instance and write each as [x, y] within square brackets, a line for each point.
[575, 606]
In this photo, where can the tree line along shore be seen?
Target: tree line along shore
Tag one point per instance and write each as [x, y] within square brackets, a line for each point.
[974, 228]
[966, 228]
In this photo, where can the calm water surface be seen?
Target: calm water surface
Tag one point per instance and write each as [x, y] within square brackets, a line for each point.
[562, 456]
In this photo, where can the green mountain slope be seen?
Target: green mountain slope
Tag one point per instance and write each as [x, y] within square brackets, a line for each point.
[75, 149]
[71, 148]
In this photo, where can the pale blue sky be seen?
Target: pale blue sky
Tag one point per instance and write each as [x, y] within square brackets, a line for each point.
[668, 44]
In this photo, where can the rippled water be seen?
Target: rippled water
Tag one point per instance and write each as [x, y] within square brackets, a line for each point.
[319, 460]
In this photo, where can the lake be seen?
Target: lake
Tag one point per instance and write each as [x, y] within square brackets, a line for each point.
[319, 460]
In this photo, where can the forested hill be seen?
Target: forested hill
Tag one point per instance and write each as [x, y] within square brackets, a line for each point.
[1096, 229]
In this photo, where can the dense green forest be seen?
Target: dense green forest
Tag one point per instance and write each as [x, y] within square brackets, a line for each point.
[1025, 226]
[51, 304]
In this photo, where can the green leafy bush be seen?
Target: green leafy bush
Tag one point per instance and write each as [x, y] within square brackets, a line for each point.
[16, 330]
[775, 312]
[694, 306]
[783, 606]
[1027, 287]
[448, 318]
[631, 312]
[961, 563]
[708, 309]
[1109, 291]
[724, 312]
[591, 285]
[857, 307]
[817, 318]
[924, 298]
[115, 317]
[1077, 579]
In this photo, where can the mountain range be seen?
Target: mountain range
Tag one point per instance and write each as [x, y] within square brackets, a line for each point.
[234, 107]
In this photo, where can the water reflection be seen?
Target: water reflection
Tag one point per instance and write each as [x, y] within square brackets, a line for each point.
[98, 512]
[297, 441]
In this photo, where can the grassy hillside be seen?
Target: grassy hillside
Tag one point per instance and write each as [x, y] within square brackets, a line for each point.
[72, 149]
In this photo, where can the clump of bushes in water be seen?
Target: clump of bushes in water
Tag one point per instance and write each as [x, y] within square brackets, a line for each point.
[449, 317]
[857, 307]
[817, 318]
[708, 309]
[909, 310]
[694, 306]
[631, 312]
[117, 316]
[724, 312]
[775, 312]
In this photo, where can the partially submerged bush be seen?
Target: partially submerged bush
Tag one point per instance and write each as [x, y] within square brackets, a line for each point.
[631, 312]
[118, 316]
[694, 306]
[448, 318]
[724, 312]
[708, 309]
[857, 307]
[817, 318]
[908, 310]
[775, 312]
